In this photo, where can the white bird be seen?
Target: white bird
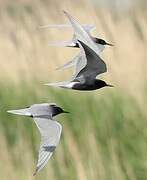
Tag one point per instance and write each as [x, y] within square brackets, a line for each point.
[49, 129]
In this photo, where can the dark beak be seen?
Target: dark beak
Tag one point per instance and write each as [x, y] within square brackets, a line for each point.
[109, 85]
[66, 112]
[109, 44]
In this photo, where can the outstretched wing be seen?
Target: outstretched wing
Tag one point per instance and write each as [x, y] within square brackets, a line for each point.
[94, 65]
[88, 27]
[80, 64]
[50, 131]
[81, 34]
[69, 63]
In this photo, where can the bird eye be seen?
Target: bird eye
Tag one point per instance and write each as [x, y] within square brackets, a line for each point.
[103, 42]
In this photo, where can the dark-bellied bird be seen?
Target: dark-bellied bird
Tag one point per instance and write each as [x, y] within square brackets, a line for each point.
[88, 63]
[88, 66]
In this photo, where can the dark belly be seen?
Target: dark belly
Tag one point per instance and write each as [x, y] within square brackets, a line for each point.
[84, 87]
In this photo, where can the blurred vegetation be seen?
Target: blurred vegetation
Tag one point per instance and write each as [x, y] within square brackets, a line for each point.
[104, 137]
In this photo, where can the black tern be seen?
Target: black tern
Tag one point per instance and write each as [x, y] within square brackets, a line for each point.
[88, 62]
[88, 66]
[100, 43]
[73, 43]
[85, 37]
[50, 129]
[81, 34]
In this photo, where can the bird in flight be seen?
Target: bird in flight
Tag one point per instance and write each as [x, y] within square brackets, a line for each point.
[100, 43]
[88, 63]
[50, 130]
[88, 66]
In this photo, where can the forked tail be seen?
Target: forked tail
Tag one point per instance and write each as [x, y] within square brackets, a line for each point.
[64, 84]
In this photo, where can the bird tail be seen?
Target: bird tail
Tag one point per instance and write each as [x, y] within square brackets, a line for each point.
[68, 43]
[87, 27]
[64, 84]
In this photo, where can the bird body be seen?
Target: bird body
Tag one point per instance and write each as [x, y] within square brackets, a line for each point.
[88, 67]
[49, 128]
[96, 84]
[100, 43]
[88, 62]
[84, 79]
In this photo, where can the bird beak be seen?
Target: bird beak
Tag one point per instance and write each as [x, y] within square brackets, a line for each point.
[109, 44]
[24, 112]
[66, 112]
[109, 85]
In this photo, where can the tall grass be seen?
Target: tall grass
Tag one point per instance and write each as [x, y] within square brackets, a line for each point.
[105, 135]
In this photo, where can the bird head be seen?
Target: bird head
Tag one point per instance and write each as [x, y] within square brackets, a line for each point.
[57, 110]
[100, 84]
[102, 42]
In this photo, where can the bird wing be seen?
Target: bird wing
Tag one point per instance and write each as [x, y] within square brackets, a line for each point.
[89, 66]
[87, 27]
[50, 131]
[81, 34]
[80, 64]
[69, 63]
